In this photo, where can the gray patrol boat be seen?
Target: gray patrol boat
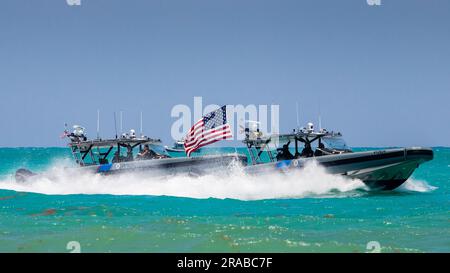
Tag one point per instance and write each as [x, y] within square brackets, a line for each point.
[130, 153]
[384, 169]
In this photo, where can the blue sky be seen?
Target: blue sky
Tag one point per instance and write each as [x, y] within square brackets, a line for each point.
[381, 75]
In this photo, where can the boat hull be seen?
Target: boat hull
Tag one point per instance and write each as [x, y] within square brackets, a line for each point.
[379, 170]
[195, 166]
[191, 166]
[180, 151]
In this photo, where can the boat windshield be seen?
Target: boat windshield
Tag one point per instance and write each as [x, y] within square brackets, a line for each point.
[159, 149]
[335, 143]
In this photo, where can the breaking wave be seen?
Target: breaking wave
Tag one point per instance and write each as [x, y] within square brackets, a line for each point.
[414, 185]
[311, 181]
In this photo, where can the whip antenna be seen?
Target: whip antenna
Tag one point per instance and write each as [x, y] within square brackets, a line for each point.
[141, 124]
[98, 124]
[320, 119]
[320, 123]
[115, 123]
[121, 122]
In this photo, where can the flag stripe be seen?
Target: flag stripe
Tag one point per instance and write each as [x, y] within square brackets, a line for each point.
[207, 143]
[195, 128]
[200, 134]
[210, 128]
[205, 134]
[218, 136]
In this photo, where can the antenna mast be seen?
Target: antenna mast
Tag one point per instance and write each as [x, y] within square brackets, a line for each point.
[320, 123]
[141, 125]
[98, 124]
[121, 122]
[298, 120]
[320, 119]
[115, 123]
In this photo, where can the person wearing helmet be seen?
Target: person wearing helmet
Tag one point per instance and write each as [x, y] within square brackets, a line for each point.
[117, 158]
[320, 150]
[147, 153]
[129, 156]
[284, 153]
[307, 151]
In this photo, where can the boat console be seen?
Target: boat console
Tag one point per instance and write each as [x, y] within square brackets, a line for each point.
[305, 141]
[104, 151]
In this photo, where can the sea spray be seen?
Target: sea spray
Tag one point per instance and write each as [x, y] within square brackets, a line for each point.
[330, 222]
[312, 180]
[414, 185]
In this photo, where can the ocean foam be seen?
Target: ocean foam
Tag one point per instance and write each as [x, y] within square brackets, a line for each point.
[312, 180]
[414, 185]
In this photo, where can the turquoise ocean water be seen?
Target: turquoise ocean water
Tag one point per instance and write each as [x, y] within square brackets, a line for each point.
[313, 212]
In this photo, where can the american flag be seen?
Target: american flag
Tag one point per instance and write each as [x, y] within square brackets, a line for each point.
[211, 128]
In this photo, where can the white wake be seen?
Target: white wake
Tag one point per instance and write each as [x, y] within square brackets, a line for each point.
[312, 180]
[414, 185]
